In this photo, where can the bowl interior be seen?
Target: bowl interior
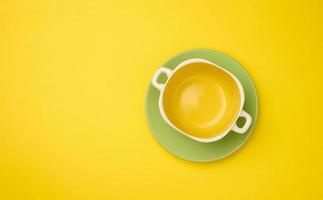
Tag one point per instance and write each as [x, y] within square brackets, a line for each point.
[201, 100]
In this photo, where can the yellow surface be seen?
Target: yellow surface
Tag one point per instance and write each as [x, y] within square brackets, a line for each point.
[202, 100]
[73, 81]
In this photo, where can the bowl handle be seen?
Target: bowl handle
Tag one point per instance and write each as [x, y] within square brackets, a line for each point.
[161, 70]
[246, 125]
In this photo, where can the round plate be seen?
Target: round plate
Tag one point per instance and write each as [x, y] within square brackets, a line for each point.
[189, 149]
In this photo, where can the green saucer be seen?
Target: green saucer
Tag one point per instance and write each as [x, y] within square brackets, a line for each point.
[189, 149]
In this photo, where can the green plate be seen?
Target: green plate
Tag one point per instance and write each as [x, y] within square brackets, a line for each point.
[189, 149]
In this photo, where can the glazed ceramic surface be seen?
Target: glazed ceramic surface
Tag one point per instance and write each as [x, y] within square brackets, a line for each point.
[187, 148]
[201, 100]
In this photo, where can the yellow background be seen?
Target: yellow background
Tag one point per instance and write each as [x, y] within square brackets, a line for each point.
[73, 80]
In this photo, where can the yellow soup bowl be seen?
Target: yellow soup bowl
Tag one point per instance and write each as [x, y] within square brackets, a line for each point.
[201, 100]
